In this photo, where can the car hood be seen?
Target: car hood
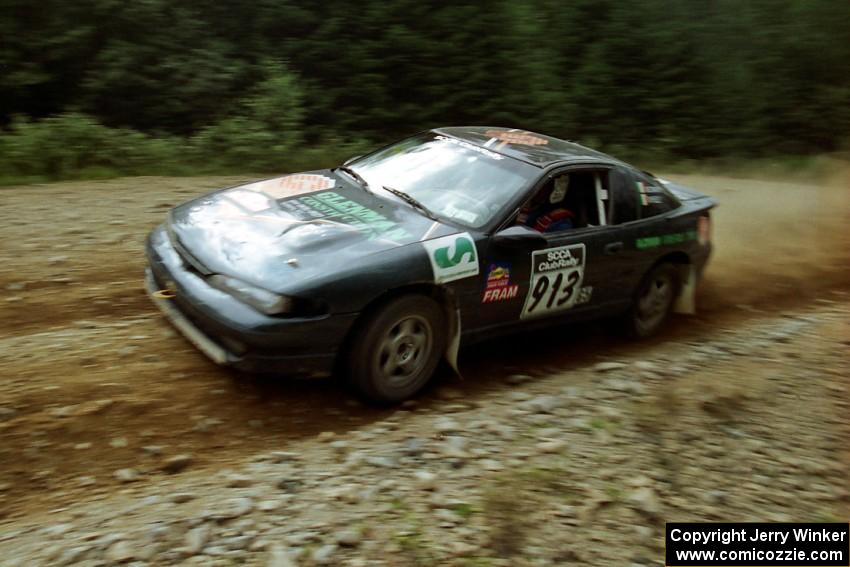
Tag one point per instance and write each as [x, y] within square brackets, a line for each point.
[280, 232]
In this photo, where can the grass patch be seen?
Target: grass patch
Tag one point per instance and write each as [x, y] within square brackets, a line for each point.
[805, 169]
[476, 562]
[602, 424]
[510, 501]
[464, 510]
[615, 493]
[725, 401]
[507, 515]
[549, 480]
[414, 548]
[654, 414]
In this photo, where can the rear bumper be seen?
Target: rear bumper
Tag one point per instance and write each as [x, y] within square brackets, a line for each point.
[230, 332]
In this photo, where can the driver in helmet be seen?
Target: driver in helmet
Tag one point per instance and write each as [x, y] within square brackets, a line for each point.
[551, 215]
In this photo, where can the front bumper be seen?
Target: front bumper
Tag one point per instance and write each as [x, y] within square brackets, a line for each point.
[230, 332]
[194, 335]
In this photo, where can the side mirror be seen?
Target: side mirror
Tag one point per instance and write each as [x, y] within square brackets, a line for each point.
[351, 160]
[519, 236]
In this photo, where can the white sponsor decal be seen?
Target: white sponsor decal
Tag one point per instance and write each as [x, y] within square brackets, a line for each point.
[584, 295]
[470, 147]
[556, 277]
[250, 200]
[465, 216]
[452, 257]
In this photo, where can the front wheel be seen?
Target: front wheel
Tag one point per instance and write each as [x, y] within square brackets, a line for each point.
[397, 349]
[653, 302]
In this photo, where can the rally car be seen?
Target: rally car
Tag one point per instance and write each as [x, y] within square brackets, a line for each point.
[383, 266]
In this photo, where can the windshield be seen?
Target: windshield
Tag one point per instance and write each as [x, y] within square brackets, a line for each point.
[453, 179]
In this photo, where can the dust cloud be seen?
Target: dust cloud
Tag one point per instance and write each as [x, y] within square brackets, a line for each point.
[774, 242]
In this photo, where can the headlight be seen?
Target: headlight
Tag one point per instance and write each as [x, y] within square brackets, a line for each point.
[258, 298]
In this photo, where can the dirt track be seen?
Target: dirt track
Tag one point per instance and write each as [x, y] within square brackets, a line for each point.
[90, 373]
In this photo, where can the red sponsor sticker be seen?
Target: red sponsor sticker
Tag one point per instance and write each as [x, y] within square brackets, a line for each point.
[292, 185]
[499, 286]
[523, 138]
[500, 293]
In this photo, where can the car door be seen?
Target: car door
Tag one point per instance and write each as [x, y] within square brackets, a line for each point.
[558, 273]
[657, 230]
[563, 275]
[625, 263]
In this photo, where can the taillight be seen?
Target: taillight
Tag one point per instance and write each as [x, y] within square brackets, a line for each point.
[704, 230]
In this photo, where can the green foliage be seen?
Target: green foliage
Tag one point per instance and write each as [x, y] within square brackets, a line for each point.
[73, 144]
[202, 85]
[268, 126]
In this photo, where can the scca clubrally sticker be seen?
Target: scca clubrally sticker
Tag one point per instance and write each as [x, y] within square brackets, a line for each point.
[452, 257]
[556, 276]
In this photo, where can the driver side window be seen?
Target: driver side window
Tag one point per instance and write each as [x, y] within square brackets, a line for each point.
[568, 200]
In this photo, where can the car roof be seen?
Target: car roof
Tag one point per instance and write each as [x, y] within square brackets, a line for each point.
[537, 149]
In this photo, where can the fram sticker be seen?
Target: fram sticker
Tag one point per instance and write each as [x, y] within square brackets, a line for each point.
[499, 287]
[452, 257]
[293, 185]
[556, 277]
[500, 294]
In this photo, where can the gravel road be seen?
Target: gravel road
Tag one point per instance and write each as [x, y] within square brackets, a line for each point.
[119, 443]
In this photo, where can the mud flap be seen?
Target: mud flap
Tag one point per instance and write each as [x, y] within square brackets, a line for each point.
[686, 302]
[453, 346]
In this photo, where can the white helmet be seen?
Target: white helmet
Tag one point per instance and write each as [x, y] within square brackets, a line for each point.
[557, 195]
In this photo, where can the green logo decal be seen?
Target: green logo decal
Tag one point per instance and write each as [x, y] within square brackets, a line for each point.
[452, 257]
[463, 246]
[333, 206]
[665, 240]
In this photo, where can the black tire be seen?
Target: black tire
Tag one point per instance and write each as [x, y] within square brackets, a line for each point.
[396, 350]
[652, 303]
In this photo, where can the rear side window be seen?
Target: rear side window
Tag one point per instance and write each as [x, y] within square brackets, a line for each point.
[653, 198]
[624, 201]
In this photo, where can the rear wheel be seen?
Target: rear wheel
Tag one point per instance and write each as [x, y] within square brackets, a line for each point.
[653, 302]
[397, 349]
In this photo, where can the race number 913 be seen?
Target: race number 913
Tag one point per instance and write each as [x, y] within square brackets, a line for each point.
[556, 276]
